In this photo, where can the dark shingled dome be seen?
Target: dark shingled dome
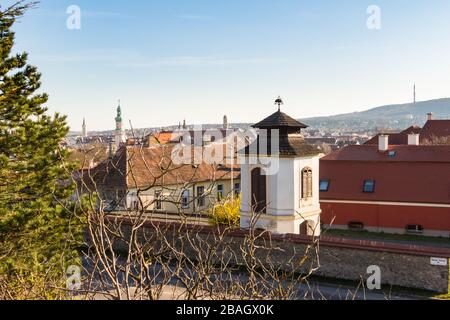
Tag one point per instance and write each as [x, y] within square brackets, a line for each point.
[291, 143]
[288, 146]
[280, 120]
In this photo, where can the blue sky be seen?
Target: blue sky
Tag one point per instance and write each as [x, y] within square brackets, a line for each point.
[200, 59]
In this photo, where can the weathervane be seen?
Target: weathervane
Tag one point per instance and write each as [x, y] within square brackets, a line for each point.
[279, 102]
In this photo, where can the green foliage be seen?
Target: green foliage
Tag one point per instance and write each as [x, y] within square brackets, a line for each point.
[38, 228]
[226, 212]
[443, 297]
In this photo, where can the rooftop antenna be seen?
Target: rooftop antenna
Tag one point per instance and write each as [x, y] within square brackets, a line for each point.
[279, 102]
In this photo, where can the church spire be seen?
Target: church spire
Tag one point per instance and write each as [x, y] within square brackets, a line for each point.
[84, 129]
[119, 113]
[119, 135]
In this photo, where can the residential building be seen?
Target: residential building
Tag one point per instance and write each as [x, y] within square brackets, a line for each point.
[148, 179]
[397, 188]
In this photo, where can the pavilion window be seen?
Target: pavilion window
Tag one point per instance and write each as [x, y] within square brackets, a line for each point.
[307, 183]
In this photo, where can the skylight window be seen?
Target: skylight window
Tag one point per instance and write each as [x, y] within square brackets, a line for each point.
[369, 186]
[324, 185]
[392, 154]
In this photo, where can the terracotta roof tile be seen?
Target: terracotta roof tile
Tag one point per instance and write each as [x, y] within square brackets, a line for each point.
[403, 153]
[418, 174]
[139, 167]
[435, 129]
[396, 138]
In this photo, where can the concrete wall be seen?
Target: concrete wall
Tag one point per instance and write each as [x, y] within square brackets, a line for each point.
[401, 265]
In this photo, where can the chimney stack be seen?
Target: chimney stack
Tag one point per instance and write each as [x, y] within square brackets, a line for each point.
[430, 116]
[383, 142]
[413, 139]
[225, 122]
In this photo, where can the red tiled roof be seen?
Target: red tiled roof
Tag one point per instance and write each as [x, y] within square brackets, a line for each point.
[418, 174]
[403, 153]
[435, 129]
[396, 138]
[163, 137]
[137, 167]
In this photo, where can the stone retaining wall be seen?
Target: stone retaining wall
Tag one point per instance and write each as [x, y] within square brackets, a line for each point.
[401, 265]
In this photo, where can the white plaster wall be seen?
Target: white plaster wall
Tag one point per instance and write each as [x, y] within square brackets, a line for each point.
[281, 189]
[245, 187]
[285, 226]
[313, 205]
[284, 196]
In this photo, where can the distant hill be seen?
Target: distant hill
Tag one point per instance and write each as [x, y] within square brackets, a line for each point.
[397, 116]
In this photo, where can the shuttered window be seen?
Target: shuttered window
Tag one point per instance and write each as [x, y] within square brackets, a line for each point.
[307, 183]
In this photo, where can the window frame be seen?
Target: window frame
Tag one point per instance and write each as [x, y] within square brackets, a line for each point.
[327, 181]
[185, 204]
[365, 184]
[237, 188]
[201, 199]
[355, 226]
[220, 193]
[307, 183]
[158, 201]
[419, 229]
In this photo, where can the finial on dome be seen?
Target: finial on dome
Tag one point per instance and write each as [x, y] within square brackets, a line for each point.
[279, 102]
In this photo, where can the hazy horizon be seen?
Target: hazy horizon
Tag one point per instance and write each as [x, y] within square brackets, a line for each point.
[198, 60]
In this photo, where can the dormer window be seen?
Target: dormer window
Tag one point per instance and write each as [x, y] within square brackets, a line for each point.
[324, 185]
[307, 183]
[369, 186]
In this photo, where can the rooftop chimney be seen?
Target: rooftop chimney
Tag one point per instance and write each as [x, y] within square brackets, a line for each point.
[383, 142]
[430, 116]
[413, 139]
[225, 122]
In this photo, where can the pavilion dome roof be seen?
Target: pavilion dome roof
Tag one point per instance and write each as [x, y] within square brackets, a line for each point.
[279, 120]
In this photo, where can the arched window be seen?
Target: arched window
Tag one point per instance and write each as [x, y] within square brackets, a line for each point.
[307, 183]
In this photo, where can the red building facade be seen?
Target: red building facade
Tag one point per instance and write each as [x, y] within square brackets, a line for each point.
[395, 189]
